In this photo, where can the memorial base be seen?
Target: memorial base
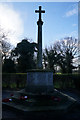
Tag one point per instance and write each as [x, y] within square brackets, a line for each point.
[39, 95]
[39, 82]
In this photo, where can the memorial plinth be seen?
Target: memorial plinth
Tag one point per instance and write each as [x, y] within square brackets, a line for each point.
[39, 81]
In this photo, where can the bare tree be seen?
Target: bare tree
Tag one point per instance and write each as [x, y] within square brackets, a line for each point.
[5, 46]
[63, 54]
[68, 49]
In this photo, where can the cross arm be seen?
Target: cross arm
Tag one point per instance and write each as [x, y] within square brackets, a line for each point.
[43, 11]
[37, 11]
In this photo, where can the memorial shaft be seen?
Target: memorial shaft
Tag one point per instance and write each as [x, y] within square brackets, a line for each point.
[39, 23]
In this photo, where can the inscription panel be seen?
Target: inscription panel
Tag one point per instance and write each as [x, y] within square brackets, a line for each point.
[40, 78]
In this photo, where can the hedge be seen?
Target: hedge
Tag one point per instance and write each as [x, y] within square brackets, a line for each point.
[67, 80]
[14, 80]
[17, 80]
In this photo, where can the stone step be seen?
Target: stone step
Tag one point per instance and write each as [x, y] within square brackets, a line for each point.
[38, 100]
[25, 108]
[34, 104]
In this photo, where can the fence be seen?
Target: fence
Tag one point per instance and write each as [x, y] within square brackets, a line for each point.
[18, 80]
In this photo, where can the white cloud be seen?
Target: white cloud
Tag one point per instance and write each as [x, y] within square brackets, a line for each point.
[72, 11]
[74, 25]
[11, 22]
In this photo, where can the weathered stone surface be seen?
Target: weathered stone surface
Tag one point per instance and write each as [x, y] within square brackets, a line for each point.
[39, 82]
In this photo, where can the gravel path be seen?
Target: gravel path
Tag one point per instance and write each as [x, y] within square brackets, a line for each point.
[73, 115]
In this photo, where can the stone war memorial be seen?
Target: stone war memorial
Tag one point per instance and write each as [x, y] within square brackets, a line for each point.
[39, 81]
[39, 93]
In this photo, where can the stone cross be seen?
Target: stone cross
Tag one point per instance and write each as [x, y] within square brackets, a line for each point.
[39, 23]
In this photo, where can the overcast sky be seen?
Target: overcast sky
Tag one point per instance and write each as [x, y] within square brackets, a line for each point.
[19, 18]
